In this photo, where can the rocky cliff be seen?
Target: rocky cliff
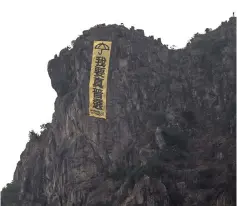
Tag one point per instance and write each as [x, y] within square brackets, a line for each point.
[169, 136]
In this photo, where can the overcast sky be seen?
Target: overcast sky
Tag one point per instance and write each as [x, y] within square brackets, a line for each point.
[31, 32]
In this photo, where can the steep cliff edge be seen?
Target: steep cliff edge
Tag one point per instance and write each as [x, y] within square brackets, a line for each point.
[169, 136]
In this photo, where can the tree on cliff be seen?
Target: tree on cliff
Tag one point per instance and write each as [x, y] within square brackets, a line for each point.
[9, 194]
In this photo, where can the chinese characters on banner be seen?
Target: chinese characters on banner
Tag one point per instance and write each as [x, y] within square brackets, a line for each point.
[98, 78]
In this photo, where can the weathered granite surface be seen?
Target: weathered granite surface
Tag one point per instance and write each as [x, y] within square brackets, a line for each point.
[169, 136]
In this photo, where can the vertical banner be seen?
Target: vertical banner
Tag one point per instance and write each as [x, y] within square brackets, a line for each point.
[98, 78]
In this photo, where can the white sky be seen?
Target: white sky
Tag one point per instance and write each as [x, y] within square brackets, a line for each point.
[31, 32]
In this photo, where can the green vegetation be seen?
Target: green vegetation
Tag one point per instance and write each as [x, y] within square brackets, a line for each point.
[44, 128]
[173, 137]
[10, 194]
[208, 30]
[33, 135]
[154, 168]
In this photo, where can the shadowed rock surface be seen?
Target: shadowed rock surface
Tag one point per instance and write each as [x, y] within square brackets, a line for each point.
[169, 136]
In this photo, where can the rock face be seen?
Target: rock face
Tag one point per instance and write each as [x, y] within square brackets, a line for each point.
[169, 136]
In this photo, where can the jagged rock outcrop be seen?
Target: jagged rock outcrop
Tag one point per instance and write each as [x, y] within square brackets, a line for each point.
[169, 136]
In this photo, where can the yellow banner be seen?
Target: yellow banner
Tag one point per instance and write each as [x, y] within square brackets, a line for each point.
[98, 78]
